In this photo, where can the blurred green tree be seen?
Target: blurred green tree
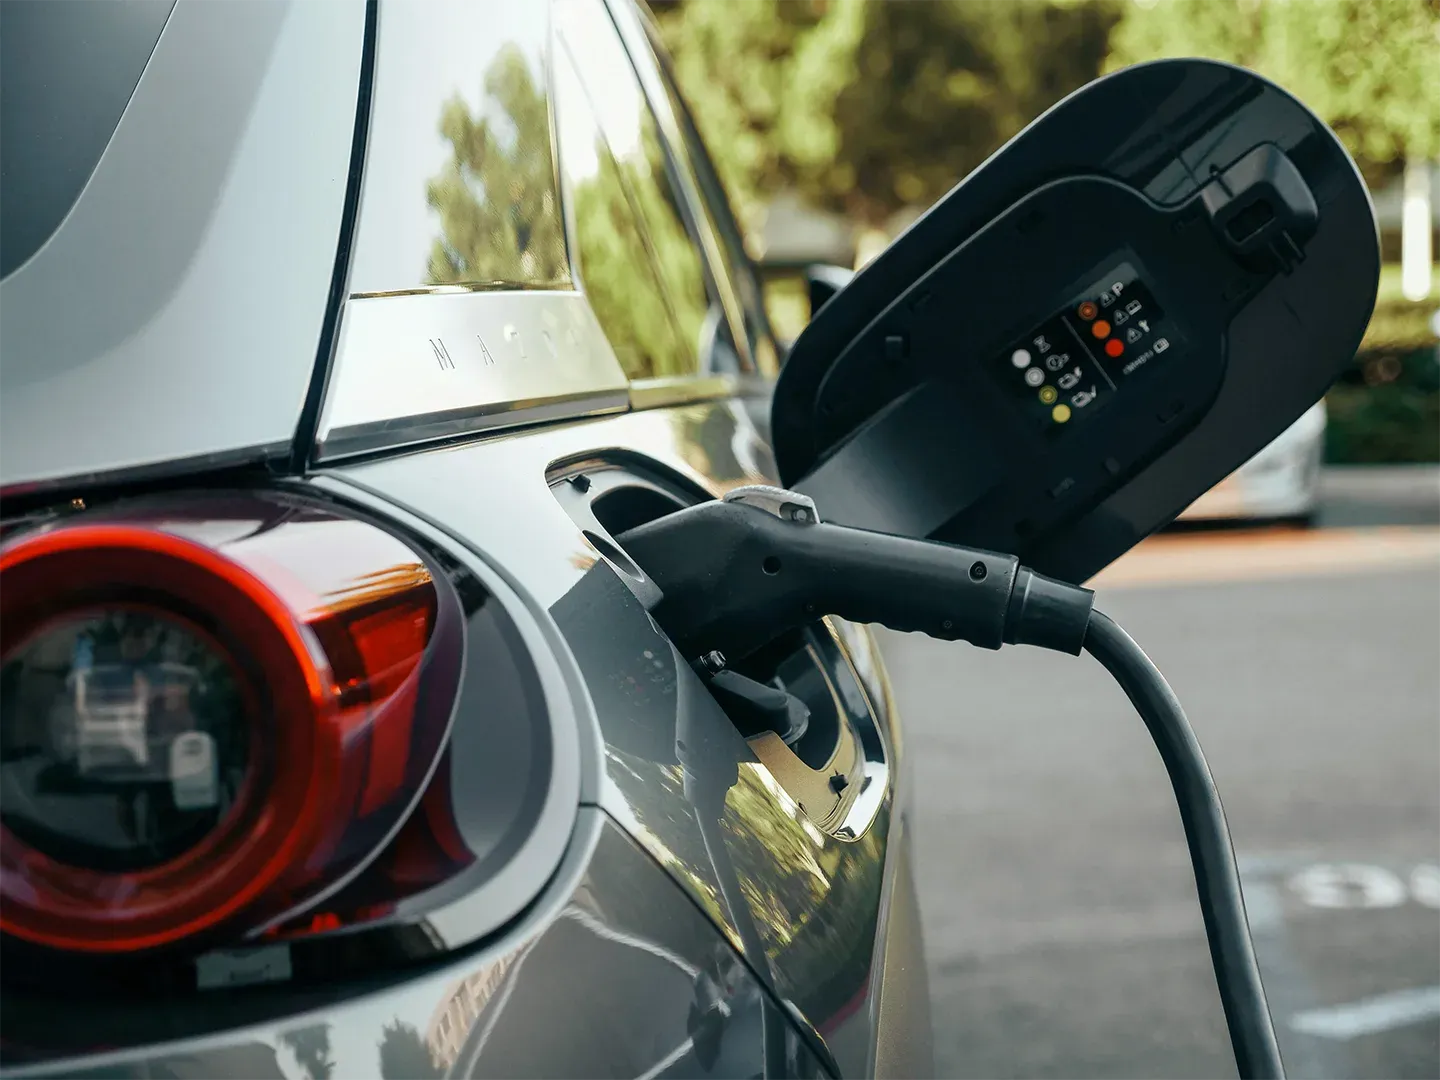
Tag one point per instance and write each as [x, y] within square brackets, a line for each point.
[866, 108]
[496, 196]
[1368, 68]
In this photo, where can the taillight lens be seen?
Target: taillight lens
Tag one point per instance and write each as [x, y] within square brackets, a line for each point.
[126, 738]
[212, 711]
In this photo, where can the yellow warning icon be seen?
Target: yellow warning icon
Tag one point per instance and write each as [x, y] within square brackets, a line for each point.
[1060, 413]
[1048, 394]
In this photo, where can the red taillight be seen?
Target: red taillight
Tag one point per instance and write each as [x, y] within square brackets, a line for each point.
[209, 711]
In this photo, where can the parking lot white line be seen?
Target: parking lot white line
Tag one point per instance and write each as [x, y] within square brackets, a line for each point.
[1380, 1013]
[1287, 984]
[1264, 910]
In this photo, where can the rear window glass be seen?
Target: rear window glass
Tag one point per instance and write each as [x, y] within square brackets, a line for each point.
[67, 71]
[460, 176]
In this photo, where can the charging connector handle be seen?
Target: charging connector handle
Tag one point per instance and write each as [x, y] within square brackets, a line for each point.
[735, 577]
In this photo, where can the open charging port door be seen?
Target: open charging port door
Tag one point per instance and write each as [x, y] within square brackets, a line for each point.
[1125, 303]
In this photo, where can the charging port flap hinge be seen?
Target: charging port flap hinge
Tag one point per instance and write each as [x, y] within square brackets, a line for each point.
[1263, 209]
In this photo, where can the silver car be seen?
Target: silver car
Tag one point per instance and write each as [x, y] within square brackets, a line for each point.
[340, 342]
[1281, 483]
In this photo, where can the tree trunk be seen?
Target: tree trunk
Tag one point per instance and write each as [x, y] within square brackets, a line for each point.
[1416, 224]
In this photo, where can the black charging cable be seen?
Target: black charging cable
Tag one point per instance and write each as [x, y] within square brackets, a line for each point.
[1217, 880]
[737, 573]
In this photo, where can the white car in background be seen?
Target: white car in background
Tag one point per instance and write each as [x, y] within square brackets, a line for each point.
[1281, 483]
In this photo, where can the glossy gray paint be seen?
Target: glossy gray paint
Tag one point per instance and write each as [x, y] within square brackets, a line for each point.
[66, 74]
[904, 1038]
[774, 909]
[809, 918]
[176, 312]
[615, 957]
[517, 818]
[607, 976]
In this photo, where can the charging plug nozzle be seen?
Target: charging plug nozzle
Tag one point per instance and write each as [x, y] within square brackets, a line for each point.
[737, 573]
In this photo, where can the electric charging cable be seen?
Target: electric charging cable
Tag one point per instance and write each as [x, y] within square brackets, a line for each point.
[1217, 880]
[737, 573]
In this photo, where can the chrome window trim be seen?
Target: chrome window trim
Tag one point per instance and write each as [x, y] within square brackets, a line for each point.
[689, 389]
[680, 390]
[555, 44]
[413, 369]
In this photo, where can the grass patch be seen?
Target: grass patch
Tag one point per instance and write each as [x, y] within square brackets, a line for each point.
[1386, 408]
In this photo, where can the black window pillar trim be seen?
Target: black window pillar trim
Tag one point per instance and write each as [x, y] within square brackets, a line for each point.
[302, 450]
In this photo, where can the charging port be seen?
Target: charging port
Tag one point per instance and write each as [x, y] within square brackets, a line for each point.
[797, 701]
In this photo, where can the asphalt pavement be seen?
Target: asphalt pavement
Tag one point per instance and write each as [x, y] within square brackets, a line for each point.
[1056, 891]
[1394, 495]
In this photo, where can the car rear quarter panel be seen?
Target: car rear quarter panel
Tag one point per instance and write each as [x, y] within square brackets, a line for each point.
[600, 977]
[821, 905]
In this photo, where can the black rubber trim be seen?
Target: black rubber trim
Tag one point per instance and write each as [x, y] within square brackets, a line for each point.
[303, 448]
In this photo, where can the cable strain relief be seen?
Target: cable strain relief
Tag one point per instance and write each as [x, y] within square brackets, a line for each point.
[1047, 613]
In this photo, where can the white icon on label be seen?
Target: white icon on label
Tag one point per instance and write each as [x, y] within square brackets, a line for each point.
[1133, 307]
[1161, 345]
[1056, 362]
[1144, 325]
[1132, 335]
[1042, 344]
[1106, 299]
[1020, 358]
[1117, 289]
[1069, 379]
[1034, 377]
[1083, 398]
[1119, 317]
